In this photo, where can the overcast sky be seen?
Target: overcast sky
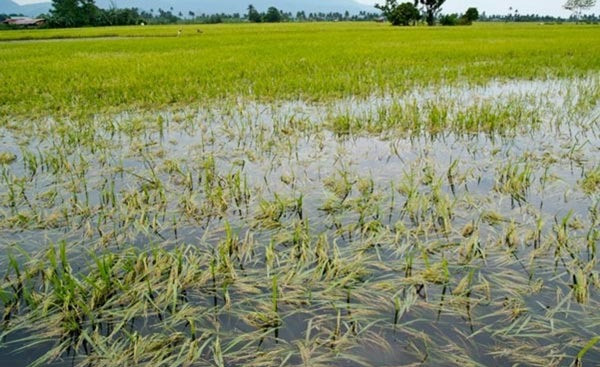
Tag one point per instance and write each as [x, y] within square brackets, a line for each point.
[551, 7]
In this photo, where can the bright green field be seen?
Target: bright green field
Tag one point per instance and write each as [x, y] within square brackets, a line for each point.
[309, 61]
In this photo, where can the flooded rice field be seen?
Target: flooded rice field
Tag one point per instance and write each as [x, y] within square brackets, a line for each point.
[454, 226]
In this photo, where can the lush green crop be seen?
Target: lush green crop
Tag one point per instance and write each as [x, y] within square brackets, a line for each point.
[272, 62]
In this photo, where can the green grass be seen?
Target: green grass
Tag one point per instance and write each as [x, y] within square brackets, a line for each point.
[272, 62]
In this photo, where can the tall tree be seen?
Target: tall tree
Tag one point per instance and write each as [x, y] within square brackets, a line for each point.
[273, 15]
[65, 13]
[89, 12]
[388, 8]
[432, 9]
[471, 15]
[577, 7]
[74, 13]
[253, 14]
[399, 14]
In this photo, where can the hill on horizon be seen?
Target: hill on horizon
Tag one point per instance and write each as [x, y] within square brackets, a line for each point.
[31, 10]
[203, 6]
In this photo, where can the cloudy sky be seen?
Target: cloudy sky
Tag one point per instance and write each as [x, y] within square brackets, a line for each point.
[552, 7]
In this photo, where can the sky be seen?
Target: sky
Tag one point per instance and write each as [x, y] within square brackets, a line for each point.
[546, 7]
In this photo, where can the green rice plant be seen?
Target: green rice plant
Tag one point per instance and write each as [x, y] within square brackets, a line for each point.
[580, 286]
[340, 184]
[272, 213]
[7, 158]
[492, 217]
[471, 248]
[309, 72]
[342, 125]
[515, 180]
[590, 184]
[579, 360]
[511, 237]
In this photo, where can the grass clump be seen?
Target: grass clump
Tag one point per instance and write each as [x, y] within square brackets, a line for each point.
[7, 158]
[590, 184]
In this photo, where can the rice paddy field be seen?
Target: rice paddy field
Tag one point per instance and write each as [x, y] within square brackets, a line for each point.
[338, 194]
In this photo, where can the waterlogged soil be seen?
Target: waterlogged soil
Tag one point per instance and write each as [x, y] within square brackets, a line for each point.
[452, 226]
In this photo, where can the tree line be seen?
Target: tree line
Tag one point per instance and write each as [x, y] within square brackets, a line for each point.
[429, 11]
[85, 13]
[408, 13]
[538, 18]
[274, 15]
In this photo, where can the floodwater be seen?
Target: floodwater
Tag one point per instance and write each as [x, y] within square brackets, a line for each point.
[487, 203]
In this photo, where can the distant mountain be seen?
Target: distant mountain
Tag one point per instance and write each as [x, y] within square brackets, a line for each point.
[36, 9]
[31, 10]
[7, 7]
[203, 6]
